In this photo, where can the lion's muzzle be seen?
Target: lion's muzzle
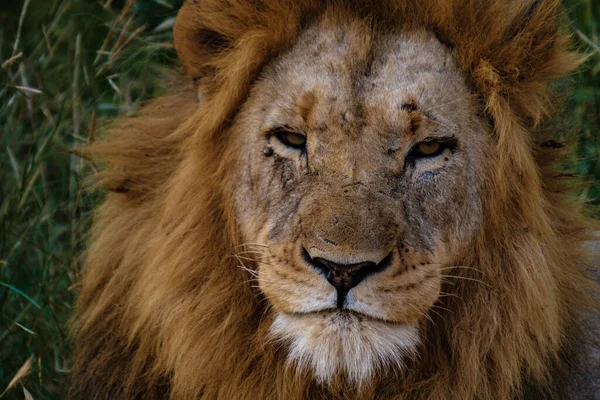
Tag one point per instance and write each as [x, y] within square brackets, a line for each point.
[348, 241]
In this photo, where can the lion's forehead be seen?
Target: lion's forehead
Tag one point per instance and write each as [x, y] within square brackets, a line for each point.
[335, 77]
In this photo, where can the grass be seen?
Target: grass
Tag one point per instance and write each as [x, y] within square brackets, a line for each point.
[66, 66]
[582, 109]
[69, 66]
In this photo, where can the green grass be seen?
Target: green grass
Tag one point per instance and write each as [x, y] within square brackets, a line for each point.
[582, 109]
[51, 97]
[76, 64]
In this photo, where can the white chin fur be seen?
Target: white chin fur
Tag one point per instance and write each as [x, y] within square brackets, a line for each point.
[331, 343]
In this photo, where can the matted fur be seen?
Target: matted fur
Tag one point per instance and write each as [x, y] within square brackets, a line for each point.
[165, 311]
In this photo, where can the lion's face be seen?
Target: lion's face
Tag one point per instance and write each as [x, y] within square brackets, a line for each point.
[361, 182]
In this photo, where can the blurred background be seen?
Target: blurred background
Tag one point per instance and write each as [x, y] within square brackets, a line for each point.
[66, 67]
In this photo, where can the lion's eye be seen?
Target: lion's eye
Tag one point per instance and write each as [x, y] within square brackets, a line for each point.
[428, 149]
[431, 148]
[291, 139]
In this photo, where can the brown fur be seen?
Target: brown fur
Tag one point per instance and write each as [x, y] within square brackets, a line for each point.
[165, 311]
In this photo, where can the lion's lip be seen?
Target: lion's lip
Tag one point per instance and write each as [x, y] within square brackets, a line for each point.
[345, 312]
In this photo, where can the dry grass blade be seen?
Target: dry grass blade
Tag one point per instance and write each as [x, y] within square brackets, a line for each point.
[21, 373]
[27, 395]
[165, 25]
[124, 33]
[120, 47]
[117, 50]
[11, 60]
[28, 90]
[128, 6]
[589, 41]
[24, 328]
[21, 20]
[163, 3]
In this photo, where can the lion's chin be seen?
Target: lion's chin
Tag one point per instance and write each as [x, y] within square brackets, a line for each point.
[333, 343]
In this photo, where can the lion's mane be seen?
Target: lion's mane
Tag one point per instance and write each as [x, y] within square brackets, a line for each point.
[164, 310]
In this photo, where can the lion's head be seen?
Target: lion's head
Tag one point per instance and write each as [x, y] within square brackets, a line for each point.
[352, 199]
[360, 163]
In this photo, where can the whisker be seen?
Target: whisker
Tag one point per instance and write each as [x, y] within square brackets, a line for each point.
[462, 277]
[442, 308]
[264, 262]
[454, 276]
[429, 319]
[444, 105]
[253, 244]
[443, 280]
[259, 279]
[251, 252]
[264, 302]
[247, 259]
[263, 281]
[445, 294]
[252, 280]
[257, 259]
[447, 266]
[239, 260]
[463, 267]
[465, 278]
[437, 313]
[249, 270]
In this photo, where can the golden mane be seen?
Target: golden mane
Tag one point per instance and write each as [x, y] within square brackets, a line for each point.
[163, 308]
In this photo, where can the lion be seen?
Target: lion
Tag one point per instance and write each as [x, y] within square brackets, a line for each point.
[343, 199]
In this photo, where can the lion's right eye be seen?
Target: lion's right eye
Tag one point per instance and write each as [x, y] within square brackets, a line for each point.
[292, 139]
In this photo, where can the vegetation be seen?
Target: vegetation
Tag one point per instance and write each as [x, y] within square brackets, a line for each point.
[66, 66]
[582, 108]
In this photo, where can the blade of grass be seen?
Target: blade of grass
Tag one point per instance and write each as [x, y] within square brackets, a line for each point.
[21, 373]
[21, 293]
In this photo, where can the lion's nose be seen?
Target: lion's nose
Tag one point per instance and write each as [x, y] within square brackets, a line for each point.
[345, 276]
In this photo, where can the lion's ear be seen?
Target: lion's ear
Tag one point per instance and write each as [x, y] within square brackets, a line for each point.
[195, 48]
[201, 41]
[511, 49]
[223, 43]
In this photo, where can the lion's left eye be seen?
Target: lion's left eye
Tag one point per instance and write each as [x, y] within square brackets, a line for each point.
[291, 139]
[428, 149]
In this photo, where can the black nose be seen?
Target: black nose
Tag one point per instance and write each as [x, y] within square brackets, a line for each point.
[345, 276]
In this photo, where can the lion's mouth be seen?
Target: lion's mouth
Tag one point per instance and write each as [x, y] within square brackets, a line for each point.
[344, 315]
